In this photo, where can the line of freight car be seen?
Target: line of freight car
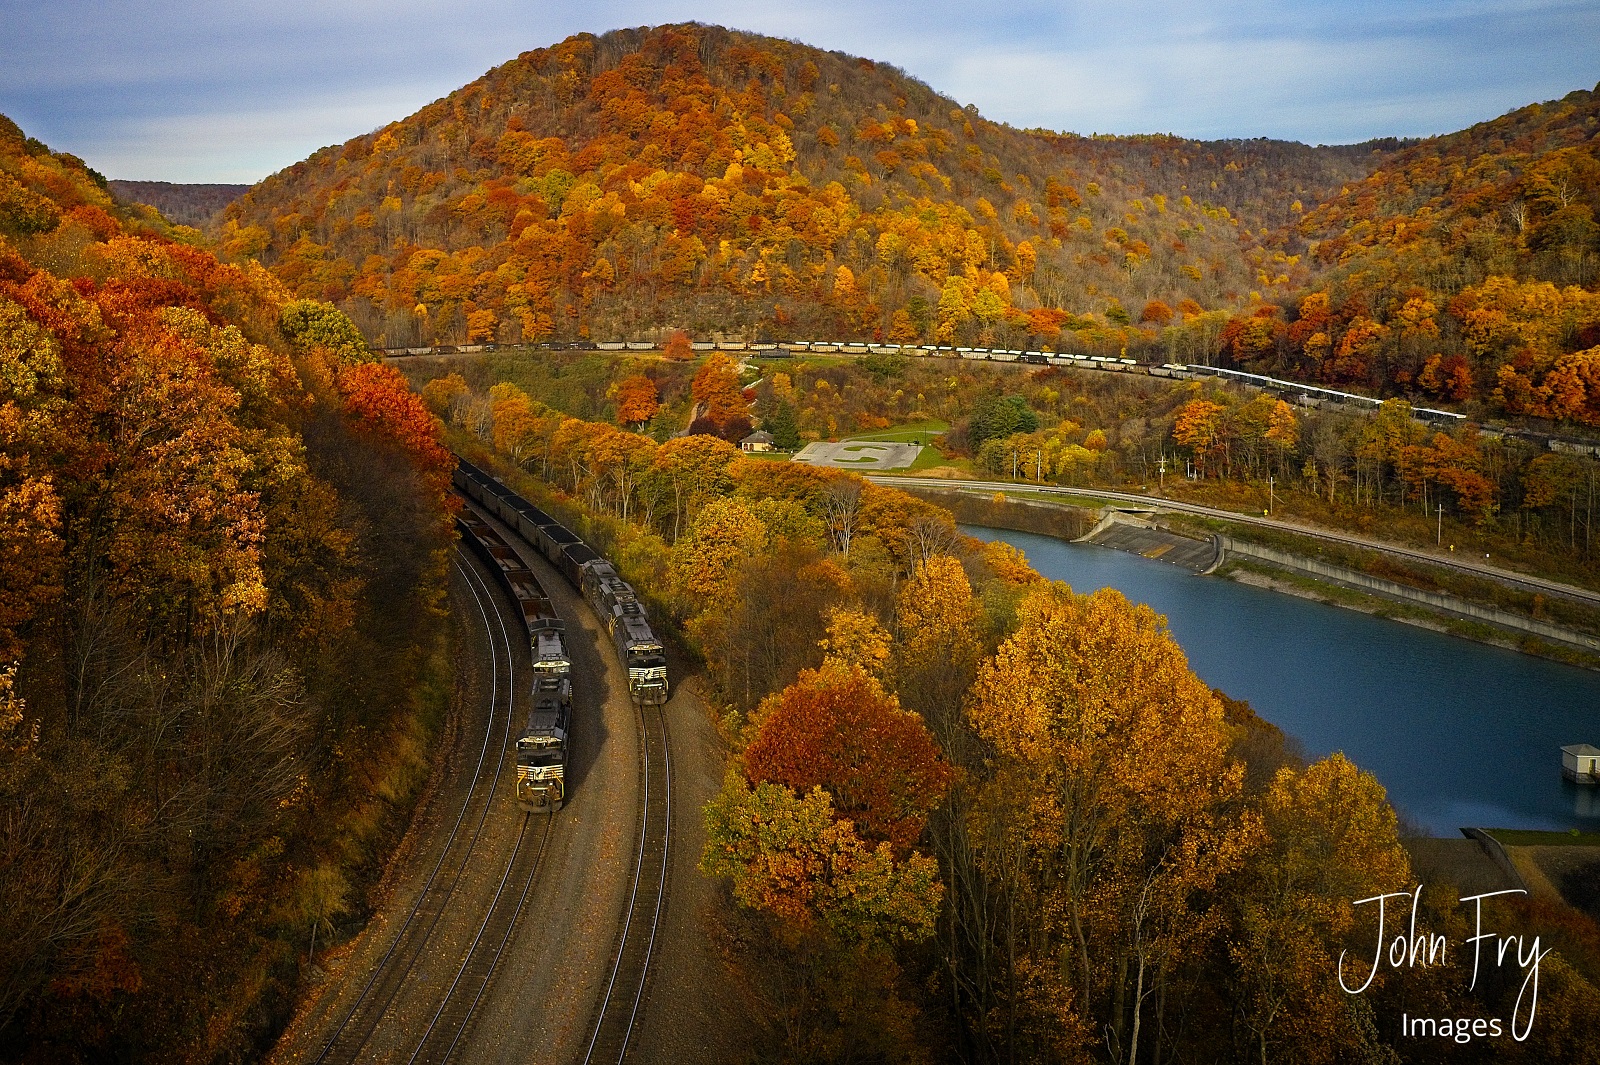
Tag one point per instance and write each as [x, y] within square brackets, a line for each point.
[541, 785]
[613, 599]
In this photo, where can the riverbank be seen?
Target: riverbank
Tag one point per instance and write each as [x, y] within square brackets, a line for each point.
[1459, 733]
[1265, 575]
[1409, 594]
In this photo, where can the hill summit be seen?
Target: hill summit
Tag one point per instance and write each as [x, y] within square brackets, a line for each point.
[691, 176]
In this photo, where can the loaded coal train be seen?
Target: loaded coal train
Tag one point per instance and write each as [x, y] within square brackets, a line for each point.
[614, 601]
[542, 745]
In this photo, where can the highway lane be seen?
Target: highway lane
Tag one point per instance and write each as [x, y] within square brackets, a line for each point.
[1452, 561]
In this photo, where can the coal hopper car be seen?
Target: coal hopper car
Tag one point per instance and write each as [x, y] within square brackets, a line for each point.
[542, 745]
[614, 601]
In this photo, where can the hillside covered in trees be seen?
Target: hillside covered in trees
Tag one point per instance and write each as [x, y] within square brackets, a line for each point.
[689, 176]
[187, 205]
[1463, 270]
[969, 815]
[222, 545]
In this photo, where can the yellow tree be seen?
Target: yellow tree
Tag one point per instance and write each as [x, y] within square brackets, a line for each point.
[1112, 776]
[688, 470]
[855, 640]
[1198, 427]
[1330, 839]
[515, 418]
[936, 654]
[705, 563]
[443, 394]
[786, 854]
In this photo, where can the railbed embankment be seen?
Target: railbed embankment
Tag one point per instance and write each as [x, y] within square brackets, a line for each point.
[1279, 568]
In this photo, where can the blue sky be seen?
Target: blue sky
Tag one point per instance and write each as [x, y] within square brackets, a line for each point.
[232, 90]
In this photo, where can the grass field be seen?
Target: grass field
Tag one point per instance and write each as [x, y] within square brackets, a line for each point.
[911, 433]
[1521, 837]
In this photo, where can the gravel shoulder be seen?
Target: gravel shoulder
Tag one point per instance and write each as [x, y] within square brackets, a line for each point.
[694, 1011]
[539, 1004]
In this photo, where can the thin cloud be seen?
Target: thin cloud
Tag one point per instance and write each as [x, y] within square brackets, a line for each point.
[187, 90]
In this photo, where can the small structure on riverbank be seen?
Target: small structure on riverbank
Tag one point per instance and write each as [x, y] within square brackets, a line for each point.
[1580, 762]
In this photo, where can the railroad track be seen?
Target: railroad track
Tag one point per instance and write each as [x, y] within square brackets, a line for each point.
[1456, 562]
[627, 980]
[455, 1012]
[625, 987]
[354, 1035]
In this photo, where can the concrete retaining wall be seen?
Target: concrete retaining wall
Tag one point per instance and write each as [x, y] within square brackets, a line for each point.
[1392, 590]
[1063, 521]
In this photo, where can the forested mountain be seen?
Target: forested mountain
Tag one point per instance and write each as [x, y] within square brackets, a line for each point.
[222, 544]
[1462, 269]
[696, 177]
[187, 205]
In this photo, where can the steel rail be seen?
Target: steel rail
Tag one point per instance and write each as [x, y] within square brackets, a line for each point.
[383, 967]
[472, 949]
[1526, 581]
[633, 895]
[628, 936]
[661, 893]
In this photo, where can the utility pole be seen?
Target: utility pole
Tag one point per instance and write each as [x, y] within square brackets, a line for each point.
[1161, 470]
[1438, 535]
[1272, 500]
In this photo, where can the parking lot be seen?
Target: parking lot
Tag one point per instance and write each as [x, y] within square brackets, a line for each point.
[860, 455]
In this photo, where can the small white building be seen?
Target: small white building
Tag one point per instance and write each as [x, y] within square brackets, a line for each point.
[760, 440]
[1581, 762]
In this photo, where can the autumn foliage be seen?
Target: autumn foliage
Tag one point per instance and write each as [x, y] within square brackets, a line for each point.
[1462, 270]
[691, 176]
[839, 730]
[214, 515]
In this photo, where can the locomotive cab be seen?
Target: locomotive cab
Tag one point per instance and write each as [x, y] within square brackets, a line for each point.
[647, 670]
[542, 747]
[550, 653]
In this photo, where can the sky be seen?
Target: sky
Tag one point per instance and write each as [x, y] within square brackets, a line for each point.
[233, 90]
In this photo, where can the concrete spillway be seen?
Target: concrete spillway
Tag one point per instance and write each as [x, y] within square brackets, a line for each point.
[1125, 532]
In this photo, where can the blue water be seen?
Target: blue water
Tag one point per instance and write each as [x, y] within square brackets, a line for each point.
[1460, 734]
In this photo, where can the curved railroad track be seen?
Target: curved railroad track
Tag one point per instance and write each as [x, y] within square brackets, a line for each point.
[354, 1035]
[624, 991]
[449, 1022]
[625, 979]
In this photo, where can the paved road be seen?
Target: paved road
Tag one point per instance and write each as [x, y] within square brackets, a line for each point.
[1452, 561]
[859, 455]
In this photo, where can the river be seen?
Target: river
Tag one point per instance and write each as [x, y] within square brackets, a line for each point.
[1459, 733]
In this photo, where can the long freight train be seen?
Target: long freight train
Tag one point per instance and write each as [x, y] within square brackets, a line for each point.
[612, 598]
[542, 745]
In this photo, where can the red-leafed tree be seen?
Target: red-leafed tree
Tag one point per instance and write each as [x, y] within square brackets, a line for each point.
[677, 347]
[837, 728]
[381, 402]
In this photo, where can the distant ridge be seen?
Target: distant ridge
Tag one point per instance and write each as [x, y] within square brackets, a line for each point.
[187, 205]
